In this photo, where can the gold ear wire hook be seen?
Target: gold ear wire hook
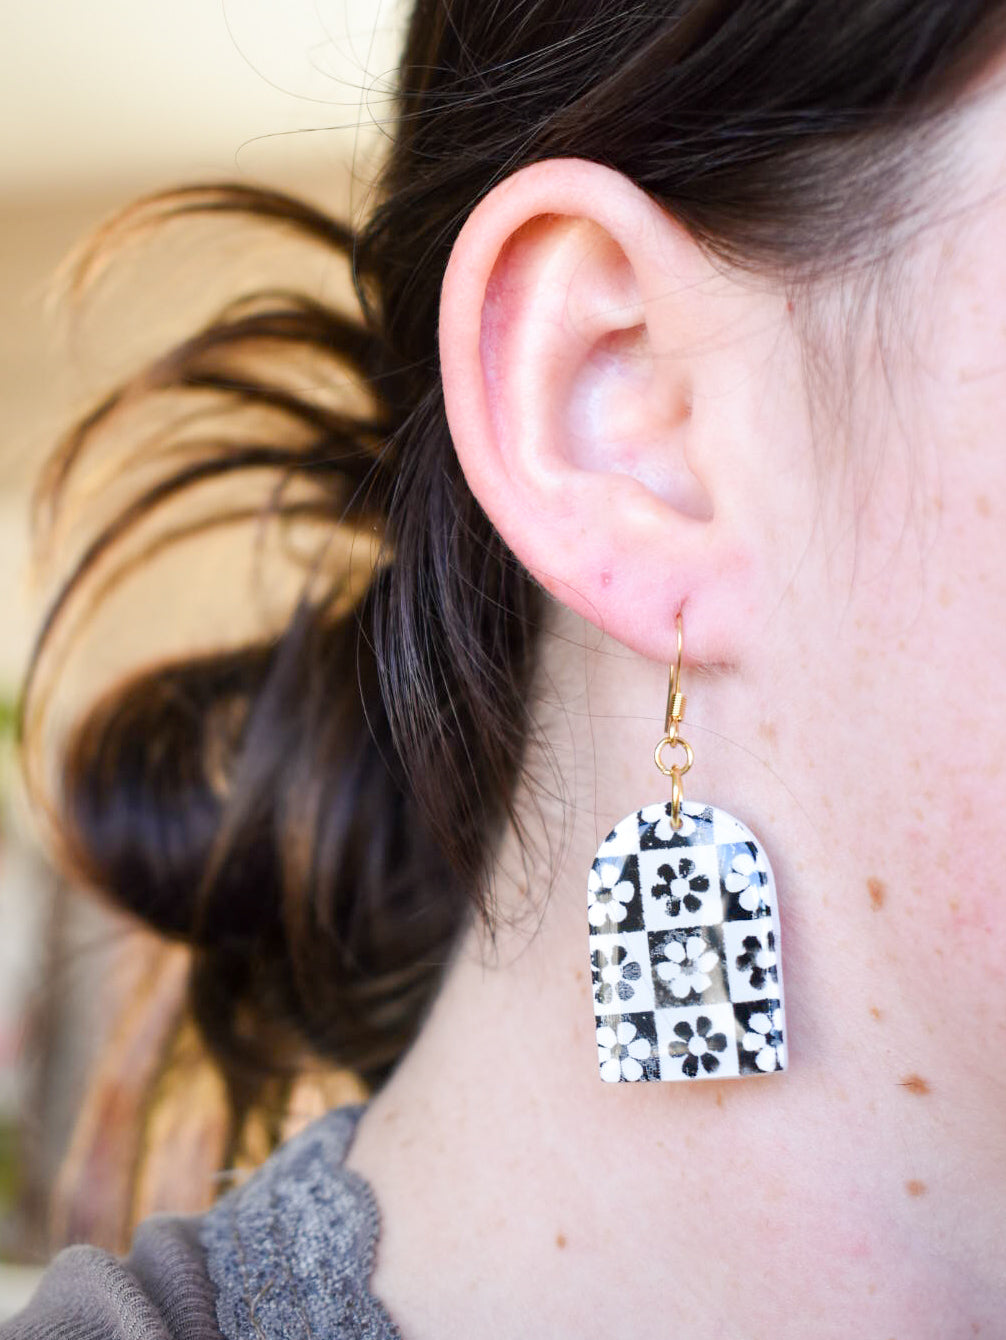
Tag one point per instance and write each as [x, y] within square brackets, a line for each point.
[675, 699]
[671, 739]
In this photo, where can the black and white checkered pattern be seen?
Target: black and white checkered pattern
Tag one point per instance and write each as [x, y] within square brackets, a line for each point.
[685, 949]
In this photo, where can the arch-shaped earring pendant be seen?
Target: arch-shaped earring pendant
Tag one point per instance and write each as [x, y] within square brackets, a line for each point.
[685, 949]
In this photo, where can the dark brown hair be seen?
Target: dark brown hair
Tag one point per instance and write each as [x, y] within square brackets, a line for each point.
[316, 814]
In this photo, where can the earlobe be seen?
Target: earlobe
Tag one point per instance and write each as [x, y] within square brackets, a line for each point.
[573, 326]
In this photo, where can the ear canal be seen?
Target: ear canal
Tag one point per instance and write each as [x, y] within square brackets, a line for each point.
[625, 420]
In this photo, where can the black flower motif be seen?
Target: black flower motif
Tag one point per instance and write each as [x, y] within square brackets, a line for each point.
[680, 886]
[697, 1045]
[613, 976]
[759, 961]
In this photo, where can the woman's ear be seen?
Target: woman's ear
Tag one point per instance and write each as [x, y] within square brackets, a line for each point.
[595, 374]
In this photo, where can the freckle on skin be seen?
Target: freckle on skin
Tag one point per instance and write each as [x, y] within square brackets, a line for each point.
[915, 1084]
[875, 1013]
[915, 1188]
[877, 892]
[982, 505]
[719, 1100]
[560, 1240]
[768, 732]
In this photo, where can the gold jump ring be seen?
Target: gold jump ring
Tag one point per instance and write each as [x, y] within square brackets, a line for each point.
[676, 770]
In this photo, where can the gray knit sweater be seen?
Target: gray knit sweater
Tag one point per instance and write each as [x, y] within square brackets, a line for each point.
[286, 1256]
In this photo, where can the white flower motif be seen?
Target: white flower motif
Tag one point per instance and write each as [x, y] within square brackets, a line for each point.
[619, 1052]
[745, 878]
[607, 894]
[664, 830]
[688, 965]
[764, 1036]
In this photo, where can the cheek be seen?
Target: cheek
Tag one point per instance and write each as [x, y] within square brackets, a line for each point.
[959, 895]
[967, 829]
[958, 840]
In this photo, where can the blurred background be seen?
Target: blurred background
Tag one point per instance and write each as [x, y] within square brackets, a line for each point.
[100, 103]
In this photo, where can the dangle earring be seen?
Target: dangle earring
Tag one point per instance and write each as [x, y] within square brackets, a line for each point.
[684, 936]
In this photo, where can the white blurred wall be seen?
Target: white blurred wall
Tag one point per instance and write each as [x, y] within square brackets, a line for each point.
[104, 100]
[123, 91]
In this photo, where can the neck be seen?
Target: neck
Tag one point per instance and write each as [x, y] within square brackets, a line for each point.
[854, 1185]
